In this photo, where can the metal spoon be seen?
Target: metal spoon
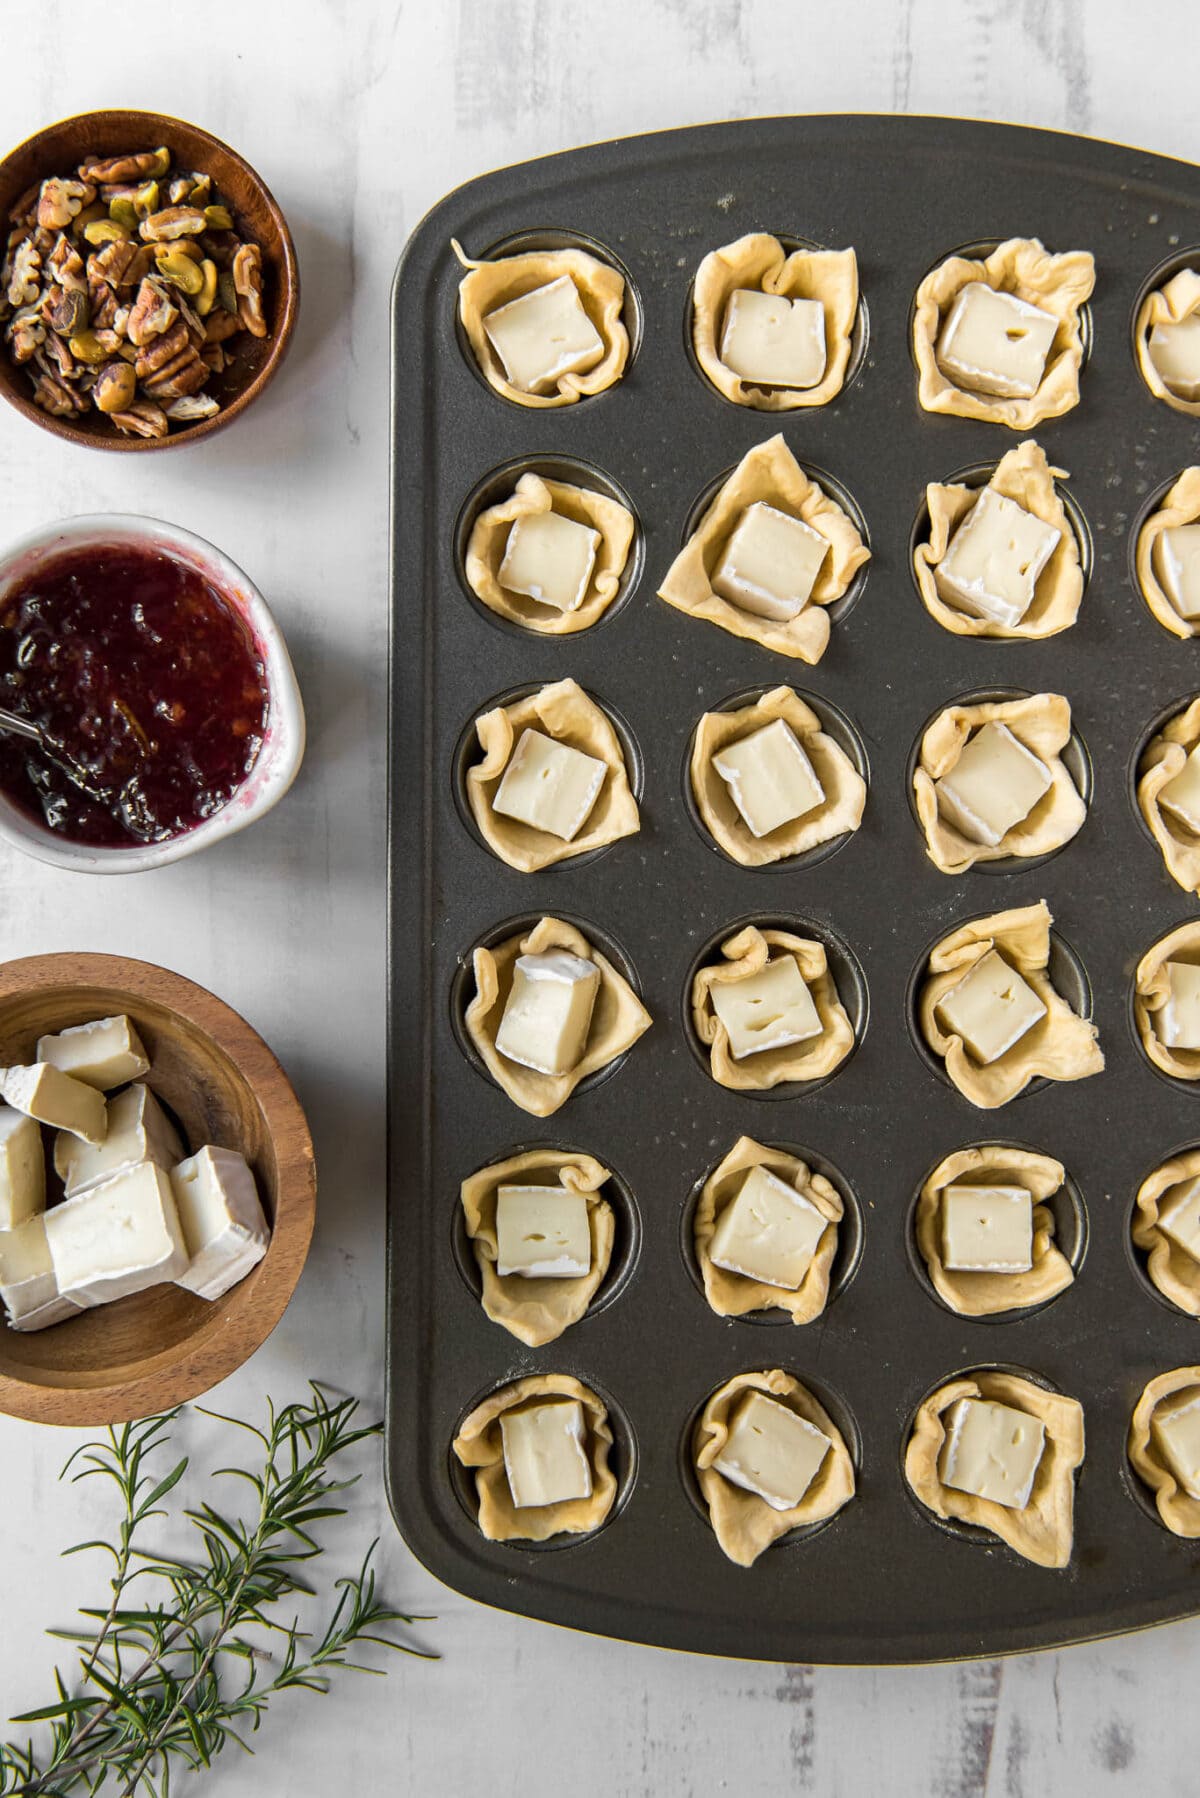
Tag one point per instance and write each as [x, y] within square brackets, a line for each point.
[62, 759]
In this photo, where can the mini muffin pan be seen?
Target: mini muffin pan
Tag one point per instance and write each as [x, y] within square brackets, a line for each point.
[883, 1580]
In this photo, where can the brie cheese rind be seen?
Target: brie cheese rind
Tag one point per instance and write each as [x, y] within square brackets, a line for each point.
[746, 954]
[1024, 476]
[487, 286]
[619, 1017]
[1042, 1530]
[537, 1311]
[1059, 284]
[759, 262]
[1152, 990]
[479, 1445]
[845, 790]
[1162, 762]
[1042, 723]
[1176, 300]
[564, 712]
[531, 496]
[769, 472]
[743, 1523]
[986, 1294]
[733, 1295]
[1170, 1268]
[1180, 506]
[1059, 1046]
[1179, 1511]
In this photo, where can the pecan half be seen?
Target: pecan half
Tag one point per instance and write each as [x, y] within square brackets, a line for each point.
[172, 222]
[142, 420]
[66, 265]
[220, 325]
[104, 306]
[184, 376]
[162, 350]
[186, 411]
[135, 166]
[248, 282]
[152, 313]
[120, 264]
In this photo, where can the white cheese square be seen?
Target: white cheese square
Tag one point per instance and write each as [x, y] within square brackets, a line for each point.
[1176, 559]
[994, 785]
[1179, 1216]
[104, 1053]
[771, 1451]
[1175, 353]
[117, 1238]
[545, 1452]
[1177, 1023]
[138, 1130]
[550, 559]
[769, 1232]
[542, 1233]
[993, 342]
[992, 1451]
[991, 1008]
[770, 564]
[770, 778]
[42, 1092]
[774, 341]
[1175, 1427]
[549, 1012]
[221, 1218]
[544, 335]
[767, 1010]
[549, 785]
[991, 567]
[1181, 795]
[22, 1168]
[987, 1229]
[27, 1283]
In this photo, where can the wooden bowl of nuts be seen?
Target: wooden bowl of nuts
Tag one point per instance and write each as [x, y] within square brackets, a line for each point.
[149, 286]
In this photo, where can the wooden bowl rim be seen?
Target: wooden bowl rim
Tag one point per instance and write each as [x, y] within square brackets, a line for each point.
[228, 1340]
[160, 125]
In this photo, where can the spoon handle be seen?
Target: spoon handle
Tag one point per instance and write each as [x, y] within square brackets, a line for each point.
[19, 727]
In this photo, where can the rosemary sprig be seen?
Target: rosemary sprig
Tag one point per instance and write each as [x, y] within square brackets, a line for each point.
[191, 1666]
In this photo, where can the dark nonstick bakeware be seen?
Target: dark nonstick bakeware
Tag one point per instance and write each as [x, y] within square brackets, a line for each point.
[883, 1581]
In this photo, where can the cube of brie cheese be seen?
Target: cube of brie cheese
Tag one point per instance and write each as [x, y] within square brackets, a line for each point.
[1181, 795]
[987, 1229]
[221, 1218]
[549, 785]
[991, 1008]
[117, 1238]
[1179, 1216]
[770, 778]
[550, 559]
[1177, 1023]
[768, 1233]
[542, 1233]
[27, 1283]
[545, 1452]
[770, 564]
[992, 1451]
[138, 1130]
[22, 1168]
[1175, 1427]
[994, 785]
[993, 342]
[774, 341]
[1176, 559]
[1175, 353]
[53, 1098]
[771, 1451]
[995, 556]
[768, 1010]
[104, 1053]
[544, 335]
[549, 1011]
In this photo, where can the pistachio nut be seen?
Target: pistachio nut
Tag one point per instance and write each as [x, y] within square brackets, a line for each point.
[116, 387]
[206, 298]
[145, 200]
[87, 347]
[123, 212]
[106, 230]
[179, 270]
[218, 218]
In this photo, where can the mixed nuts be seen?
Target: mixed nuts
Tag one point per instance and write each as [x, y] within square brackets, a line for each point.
[125, 288]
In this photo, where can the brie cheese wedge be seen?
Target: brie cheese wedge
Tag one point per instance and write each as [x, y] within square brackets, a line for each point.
[221, 1219]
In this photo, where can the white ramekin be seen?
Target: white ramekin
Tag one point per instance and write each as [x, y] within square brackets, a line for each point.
[277, 762]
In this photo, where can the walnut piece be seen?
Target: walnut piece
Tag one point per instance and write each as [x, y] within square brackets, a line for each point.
[137, 166]
[173, 222]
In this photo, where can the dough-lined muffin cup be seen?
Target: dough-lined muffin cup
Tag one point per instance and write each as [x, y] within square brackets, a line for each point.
[1059, 284]
[601, 288]
[743, 1523]
[1178, 1510]
[1041, 1531]
[537, 1311]
[565, 712]
[1168, 1267]
[1151, 991]
[1024, 476]
[770, 473]
[1042, 722]
[618, 1020]
[1170, 304]
[845, 789]
[980, 1294]
[1060, 1046]
[1164, 758]
[479, 1445]
[533, 495]
[733, 1295]
[1181, 506]
[759, 261]
[748, 953]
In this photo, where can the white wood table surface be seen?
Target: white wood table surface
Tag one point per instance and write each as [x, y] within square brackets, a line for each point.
[360, 114]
